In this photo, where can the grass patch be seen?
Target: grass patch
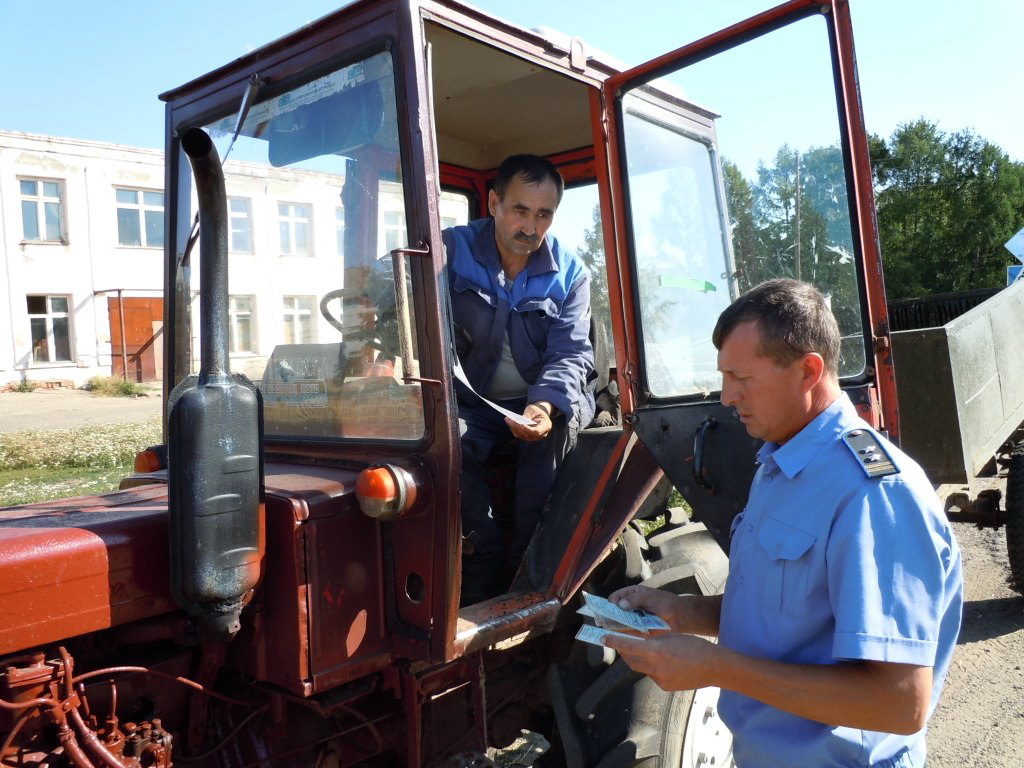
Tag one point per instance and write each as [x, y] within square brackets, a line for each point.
[24, 386]
[38, 465]
[114, 386]
[94, 447]
[27, 486]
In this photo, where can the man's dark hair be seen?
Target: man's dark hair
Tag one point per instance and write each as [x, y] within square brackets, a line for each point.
[534, 169]
[793, 319]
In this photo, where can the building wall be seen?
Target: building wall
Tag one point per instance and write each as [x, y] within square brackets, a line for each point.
[90, 266]
[87, 261]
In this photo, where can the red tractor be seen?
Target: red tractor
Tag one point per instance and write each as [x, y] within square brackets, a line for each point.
[279, 584]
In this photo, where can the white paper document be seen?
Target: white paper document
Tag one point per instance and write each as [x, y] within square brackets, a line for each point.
[608, 615]
[588, 633]
[518, 418]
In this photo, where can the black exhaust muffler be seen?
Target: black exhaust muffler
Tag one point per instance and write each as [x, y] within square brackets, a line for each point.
[214, 427]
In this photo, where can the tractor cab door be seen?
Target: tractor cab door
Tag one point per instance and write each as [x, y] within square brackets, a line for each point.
[736, 159]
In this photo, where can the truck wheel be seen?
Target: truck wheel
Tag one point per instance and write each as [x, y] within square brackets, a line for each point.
[1015, 516]
[612, 717]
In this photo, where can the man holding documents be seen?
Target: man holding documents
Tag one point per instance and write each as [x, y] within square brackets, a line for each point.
[842, 607]
[521, 308]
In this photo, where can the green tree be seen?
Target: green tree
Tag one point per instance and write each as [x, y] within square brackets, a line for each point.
[946, 203]
[592, 254]
[778, 233]
[746, 248]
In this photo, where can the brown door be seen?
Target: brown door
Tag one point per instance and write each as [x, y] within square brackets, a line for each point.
[143, 327]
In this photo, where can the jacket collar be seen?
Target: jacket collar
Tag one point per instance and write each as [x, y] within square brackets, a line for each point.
[797, 452]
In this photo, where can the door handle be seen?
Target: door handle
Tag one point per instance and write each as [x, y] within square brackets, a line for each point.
[698, 453]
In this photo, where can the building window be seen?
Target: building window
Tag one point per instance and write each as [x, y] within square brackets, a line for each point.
[294, 220]
[339, 223]
[42, 210]
[394, 230]
[140, 217]
[240, 212]
[298, 320]
[50, 321]
[241, 328]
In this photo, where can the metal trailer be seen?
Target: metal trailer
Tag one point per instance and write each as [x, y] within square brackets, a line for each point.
[961, 391]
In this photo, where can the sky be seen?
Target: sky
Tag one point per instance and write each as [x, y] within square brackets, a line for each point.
[93, 70]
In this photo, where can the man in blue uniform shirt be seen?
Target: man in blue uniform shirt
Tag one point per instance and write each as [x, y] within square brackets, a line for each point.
[521, 307]
[845, 589]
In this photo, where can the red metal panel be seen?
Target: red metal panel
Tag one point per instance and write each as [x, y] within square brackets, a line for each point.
[616, 259]
[867, 224]
[80, 565]
[322, 618]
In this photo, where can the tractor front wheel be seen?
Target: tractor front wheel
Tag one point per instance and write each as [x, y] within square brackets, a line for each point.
[1015, 516]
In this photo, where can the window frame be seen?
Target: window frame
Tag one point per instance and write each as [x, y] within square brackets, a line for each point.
[234, 216]
[39, 200]
[234, 314]
[291, 318]
[48, 317]
[140, 207]
[291, 221]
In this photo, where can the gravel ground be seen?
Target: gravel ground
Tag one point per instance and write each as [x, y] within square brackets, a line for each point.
[980, 719]
[62, 408]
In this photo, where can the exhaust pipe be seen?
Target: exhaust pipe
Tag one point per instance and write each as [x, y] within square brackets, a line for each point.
[214, 435]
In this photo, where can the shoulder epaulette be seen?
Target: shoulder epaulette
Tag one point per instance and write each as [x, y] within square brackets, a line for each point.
[870, 455]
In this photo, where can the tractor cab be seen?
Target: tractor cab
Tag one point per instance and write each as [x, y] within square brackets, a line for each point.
[350, 145]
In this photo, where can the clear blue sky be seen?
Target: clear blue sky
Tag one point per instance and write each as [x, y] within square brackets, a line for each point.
[93, 70]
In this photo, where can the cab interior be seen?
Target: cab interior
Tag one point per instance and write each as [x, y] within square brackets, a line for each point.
[489, 104]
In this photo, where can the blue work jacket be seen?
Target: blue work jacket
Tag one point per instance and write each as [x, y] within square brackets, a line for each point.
[545, 311]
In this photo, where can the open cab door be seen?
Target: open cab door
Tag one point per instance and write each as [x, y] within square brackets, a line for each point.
[759, 170]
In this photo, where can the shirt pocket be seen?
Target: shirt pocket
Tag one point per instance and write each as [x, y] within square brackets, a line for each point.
[541, 306]
[788, 551]
[463, 284]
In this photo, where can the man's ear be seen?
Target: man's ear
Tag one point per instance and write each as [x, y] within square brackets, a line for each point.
[813, 368]
[492, 201]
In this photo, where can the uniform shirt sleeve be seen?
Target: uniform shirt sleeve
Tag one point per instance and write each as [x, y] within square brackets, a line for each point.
[888, 564]
[568, 357]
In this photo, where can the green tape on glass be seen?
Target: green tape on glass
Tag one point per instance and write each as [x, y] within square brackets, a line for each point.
[687, 284]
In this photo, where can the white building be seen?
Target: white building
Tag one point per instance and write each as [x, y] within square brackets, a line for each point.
[81, 238]
[78, 221]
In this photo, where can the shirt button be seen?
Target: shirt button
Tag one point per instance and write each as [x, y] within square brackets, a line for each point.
[769, 478]
[750, 528]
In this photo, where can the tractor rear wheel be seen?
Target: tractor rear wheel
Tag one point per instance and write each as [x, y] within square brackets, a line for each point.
[1015, 516]
[612, 717]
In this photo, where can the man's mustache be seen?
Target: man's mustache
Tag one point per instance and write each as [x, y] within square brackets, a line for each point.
[526, 238]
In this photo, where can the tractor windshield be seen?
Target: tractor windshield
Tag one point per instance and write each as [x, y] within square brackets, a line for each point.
[315, 201]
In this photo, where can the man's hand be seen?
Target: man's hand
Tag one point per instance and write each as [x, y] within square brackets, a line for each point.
[676, 662]
[541, 426]
[870, 695]
[695, 614]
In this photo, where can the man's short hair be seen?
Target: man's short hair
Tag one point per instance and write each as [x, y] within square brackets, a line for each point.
[793, 319]
[534, 169]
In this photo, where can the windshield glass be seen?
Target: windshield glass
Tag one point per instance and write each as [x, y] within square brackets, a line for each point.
[781, 180]
[316, 209]
[682, 261]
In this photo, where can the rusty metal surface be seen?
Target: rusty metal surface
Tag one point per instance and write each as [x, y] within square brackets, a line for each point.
[504, 619]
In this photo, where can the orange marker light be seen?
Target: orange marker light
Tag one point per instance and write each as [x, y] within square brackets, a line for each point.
[385, 492]
[147, 461]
